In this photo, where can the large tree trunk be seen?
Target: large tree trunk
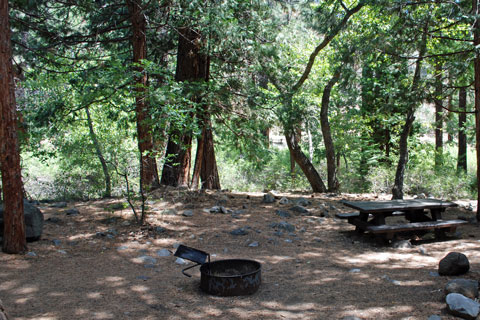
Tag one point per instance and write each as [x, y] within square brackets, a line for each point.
[476, 62]
[14, 239]
[462, 136]
[148, 171]
[101, 158]
[209, 170]
[304, 163]
[438, 116]
[327, 134]
[192, 65]
[397, 190]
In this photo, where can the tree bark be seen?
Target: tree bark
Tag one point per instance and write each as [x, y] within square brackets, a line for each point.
[476, 63]
[304, 163]
[397, 190]
[101, 158]
[148, 171]
[14, 238]
[438, 116]
[462, 136]
[176, 170]
[327, 134]
[209, 170]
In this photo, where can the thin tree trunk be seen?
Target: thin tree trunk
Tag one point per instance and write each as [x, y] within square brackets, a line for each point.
[438, 116]
[327, 134]
[462, 136]
[149, 171]
[14, 238]
[476, 62]
[304, 163]
[101, 158]
[198, 161]
[397, 190]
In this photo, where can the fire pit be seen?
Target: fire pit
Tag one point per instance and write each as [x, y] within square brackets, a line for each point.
[231, 277]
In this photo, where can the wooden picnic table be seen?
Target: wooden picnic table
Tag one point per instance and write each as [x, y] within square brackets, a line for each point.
[420, 214]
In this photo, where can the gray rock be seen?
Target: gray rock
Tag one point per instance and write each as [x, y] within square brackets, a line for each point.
[288, 240]
[466, 287]
[148, 259]
[283, 225]
[163, 253]
[72, 212]
[299, 209]
[170, 212]
[54, 220]
[434, 317]
[187, 213]
[144, 278]
[434, 274]
[253, 244]
[56, 242]
[62, 251]
[159, 230]
[33, 221]
[284, 200]
[420, 196]
[461, 306]
[283, 214]
[268, 198]
[59, 205]
[355, 270]
[31, 254]
[121, 248]
[402, 244]
[453, 264]
[180, 261]
[239, 232]
[303, 202]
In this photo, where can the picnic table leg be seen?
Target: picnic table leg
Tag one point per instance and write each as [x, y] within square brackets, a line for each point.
[362, 217]
[436, 214]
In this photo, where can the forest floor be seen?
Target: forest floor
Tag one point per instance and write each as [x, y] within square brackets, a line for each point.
[99, 264]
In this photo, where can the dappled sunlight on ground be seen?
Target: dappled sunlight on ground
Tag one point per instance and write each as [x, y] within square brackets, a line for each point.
[321, 270]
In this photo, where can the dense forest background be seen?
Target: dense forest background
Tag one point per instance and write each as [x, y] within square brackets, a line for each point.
[327, 96]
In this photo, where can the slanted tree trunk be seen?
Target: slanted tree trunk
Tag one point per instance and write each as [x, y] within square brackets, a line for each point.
[476, 63]
[327, 134]
[14, 238]
[462, 136]
[304, 163]
[397, 190]
[438, 116]
[148, 171]
[101, 158]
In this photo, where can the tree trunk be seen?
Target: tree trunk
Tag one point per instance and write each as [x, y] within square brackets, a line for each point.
[101, 158]
[148, 171]
[462, 136]
[192, 65]
[476, 62]
[304, 163]
[209, 170]
[438, 116]
[327, 134]
[14, 238]
[397, 190]
[198, 161]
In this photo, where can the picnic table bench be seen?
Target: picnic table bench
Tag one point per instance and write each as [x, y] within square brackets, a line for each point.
[420, 214]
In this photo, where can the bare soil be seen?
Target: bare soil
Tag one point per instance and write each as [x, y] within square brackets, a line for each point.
[96, 270]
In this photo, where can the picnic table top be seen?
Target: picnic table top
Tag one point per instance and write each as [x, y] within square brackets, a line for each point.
[398, 205]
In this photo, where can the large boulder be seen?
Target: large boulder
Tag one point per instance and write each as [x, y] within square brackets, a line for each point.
[462, 307]
[33, 221]
[453, 264]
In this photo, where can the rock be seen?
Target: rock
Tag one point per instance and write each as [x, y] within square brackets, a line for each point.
[33, 221]
[420, 196]
[284, 200]
[303, 202]
[159, 230]
[170, 212]
[454, 263]
[239, 232]
[283, 225]
[268, 198]
[147, 259]
[355, 270]
[466, 287]
[299, 209]
[180, 261]
[56, 242]
[461, 306]
[121, 248]
[72, 212]
[59, 205]
[163, 253]
[253, 244]
[283, 214]
[54, 220]
[187, 213]
[351, 318]
[434, 317]
[29, 254]
[144, 278]
[402, 244]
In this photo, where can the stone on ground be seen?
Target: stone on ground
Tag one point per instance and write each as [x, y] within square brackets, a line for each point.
[453, 264]
[461, 306]
[466, 287]
[33, 221]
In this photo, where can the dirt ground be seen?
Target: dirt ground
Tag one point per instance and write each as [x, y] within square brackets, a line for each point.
[93, 265]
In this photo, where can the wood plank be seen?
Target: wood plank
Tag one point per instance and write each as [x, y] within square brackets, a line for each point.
[347, 215]
[398, 205]
[440, 224]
